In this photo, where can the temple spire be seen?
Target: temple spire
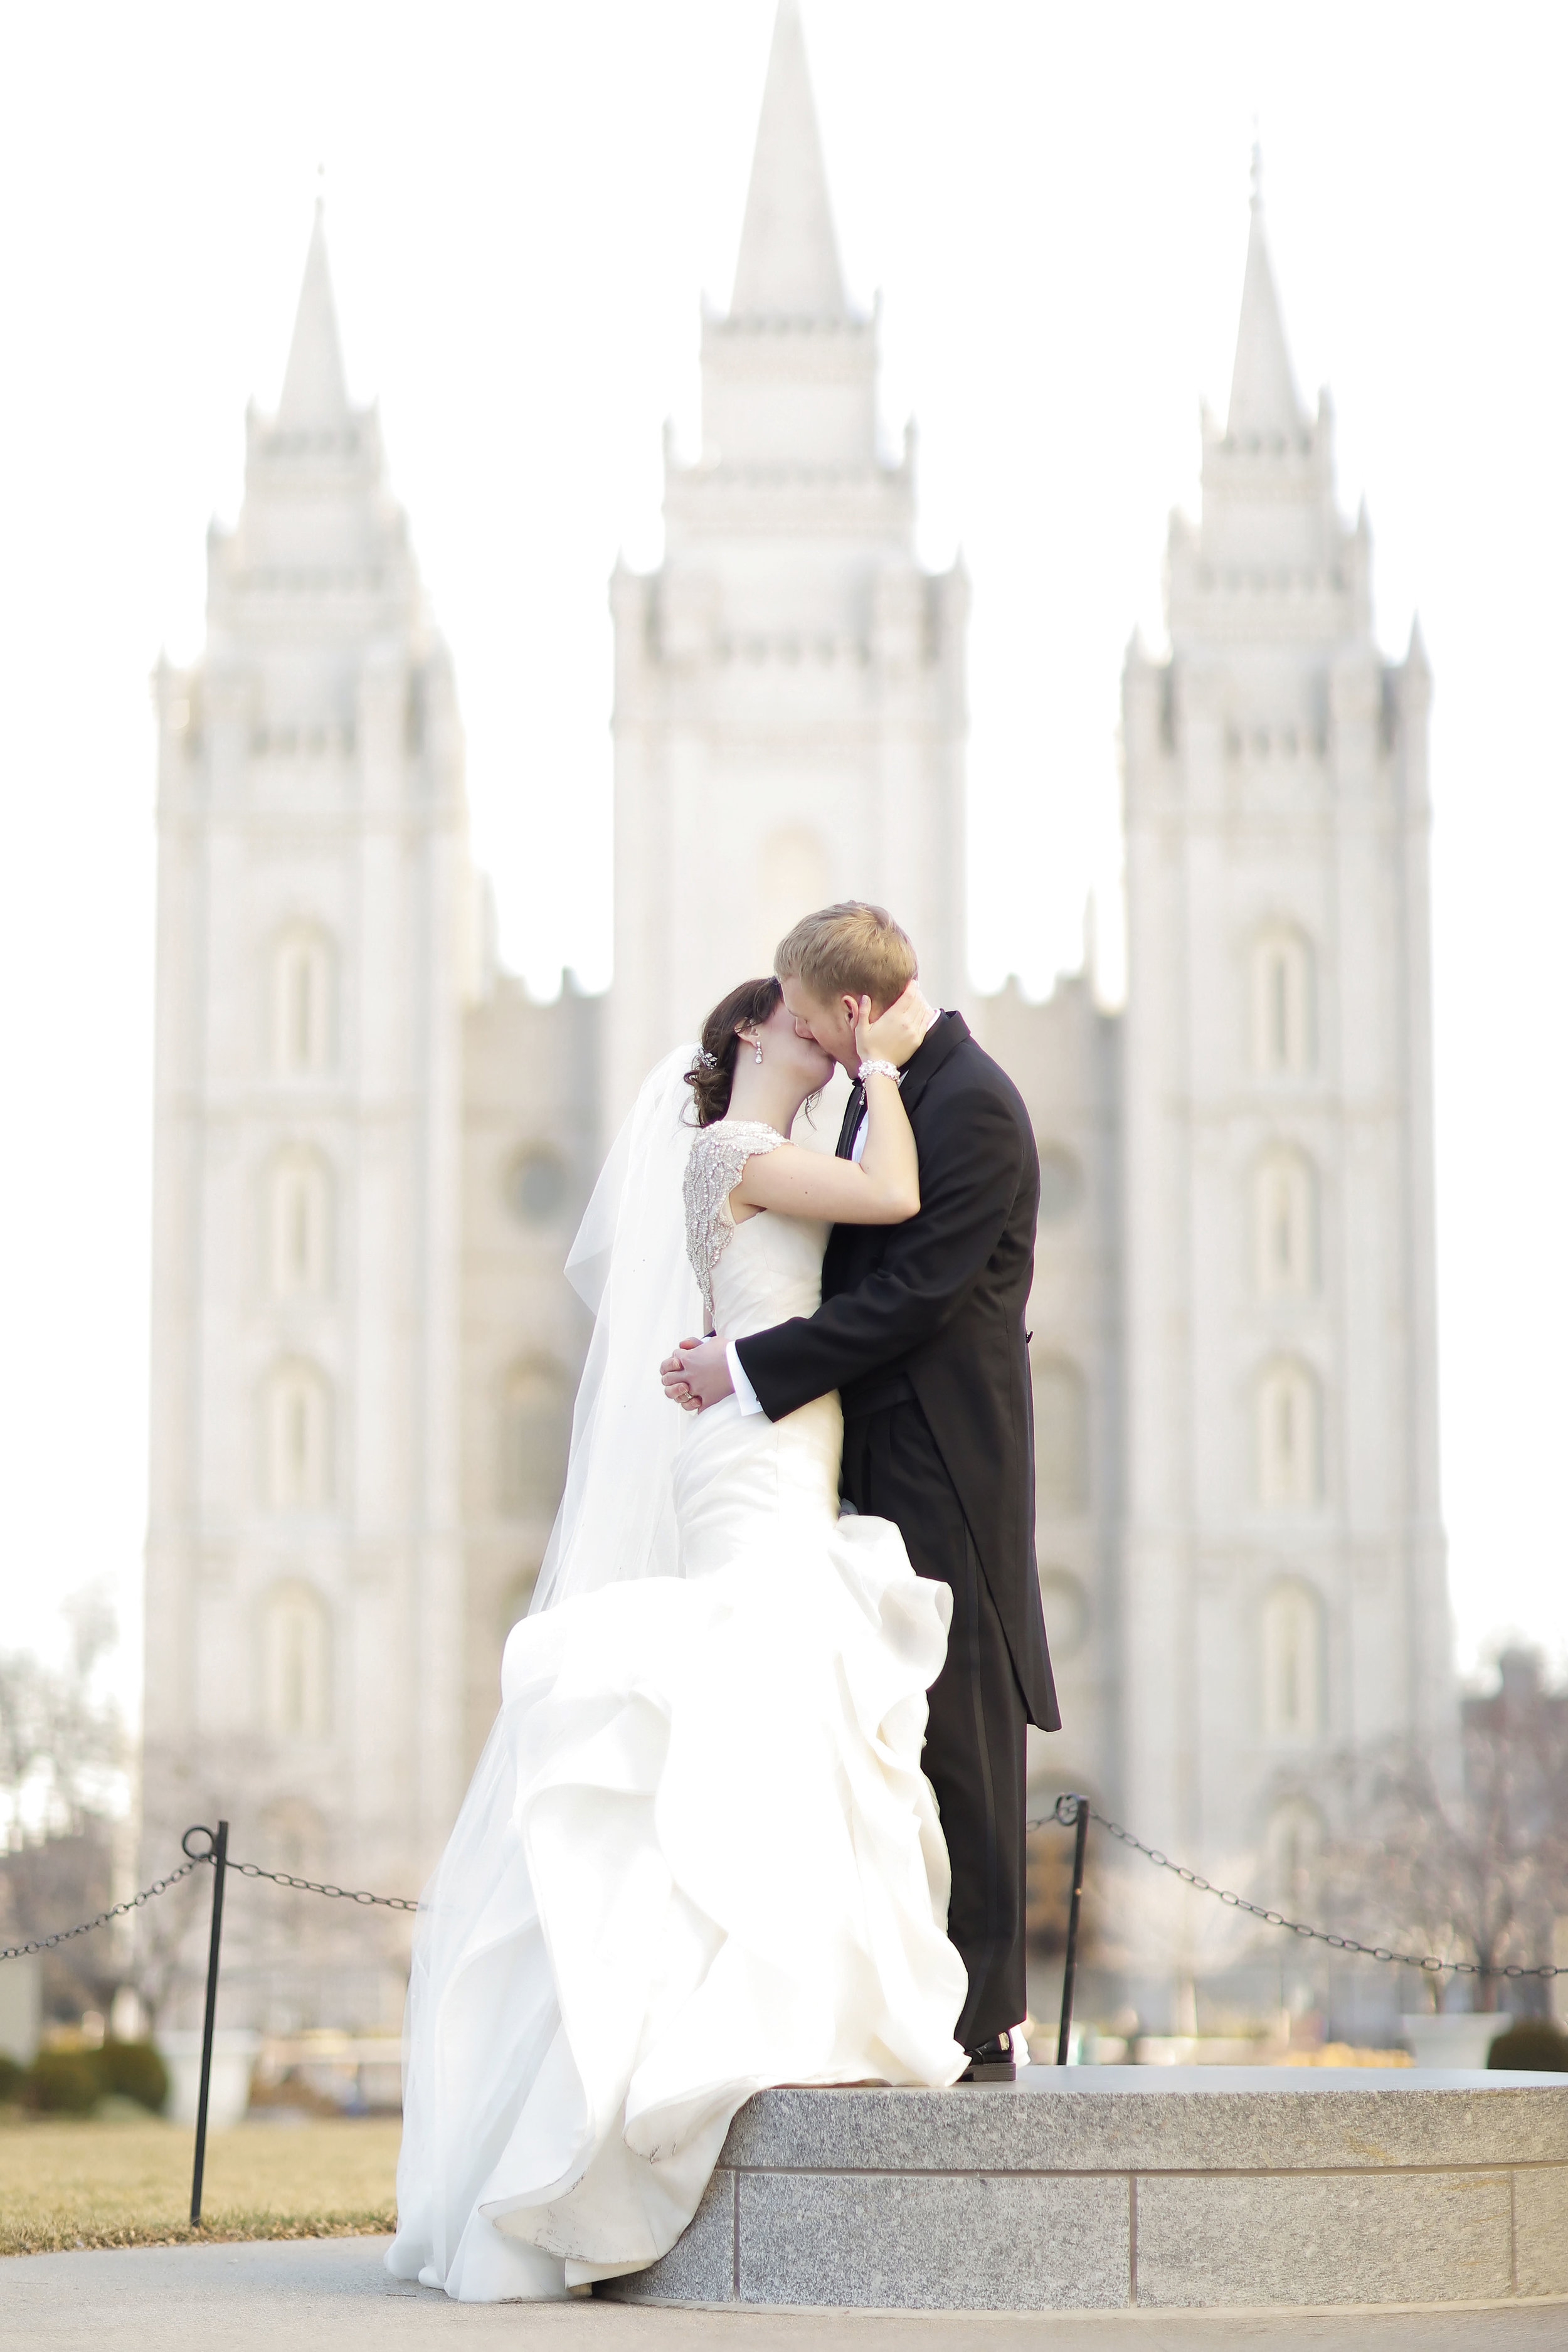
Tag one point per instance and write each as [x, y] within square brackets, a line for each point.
[1262, 389]
[315, 395]
[788, 263]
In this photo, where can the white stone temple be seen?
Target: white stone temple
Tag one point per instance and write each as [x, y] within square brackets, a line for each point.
[789, 719]
[372, 1147]
[1282, 1583]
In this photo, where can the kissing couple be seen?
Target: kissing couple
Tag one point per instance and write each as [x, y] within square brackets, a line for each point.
[752, 1809]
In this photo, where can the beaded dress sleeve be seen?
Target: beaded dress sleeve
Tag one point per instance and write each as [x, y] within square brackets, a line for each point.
[718, 1161]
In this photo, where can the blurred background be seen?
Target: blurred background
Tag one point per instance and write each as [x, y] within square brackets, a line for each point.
[524, 205]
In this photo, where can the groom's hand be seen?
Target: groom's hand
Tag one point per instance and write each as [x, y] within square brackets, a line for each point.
[672, 1372]
[697, 1374]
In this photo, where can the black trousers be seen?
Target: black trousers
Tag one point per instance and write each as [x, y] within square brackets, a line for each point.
[975, 1752]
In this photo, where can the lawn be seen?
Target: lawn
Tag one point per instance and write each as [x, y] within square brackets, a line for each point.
[128, 2183]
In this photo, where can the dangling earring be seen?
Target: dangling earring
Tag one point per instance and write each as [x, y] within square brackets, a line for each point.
[758, 1055]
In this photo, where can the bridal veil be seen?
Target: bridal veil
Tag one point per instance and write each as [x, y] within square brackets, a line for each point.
[628, 1264]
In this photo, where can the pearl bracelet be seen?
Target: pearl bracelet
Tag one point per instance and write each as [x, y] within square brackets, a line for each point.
[879, 1070]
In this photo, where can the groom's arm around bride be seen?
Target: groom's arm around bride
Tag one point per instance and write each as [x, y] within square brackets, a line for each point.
[921, 1330]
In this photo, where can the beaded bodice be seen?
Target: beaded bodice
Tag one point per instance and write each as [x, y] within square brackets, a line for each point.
[718, 1160]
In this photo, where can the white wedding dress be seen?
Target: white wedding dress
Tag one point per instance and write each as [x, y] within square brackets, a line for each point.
[699, 1856]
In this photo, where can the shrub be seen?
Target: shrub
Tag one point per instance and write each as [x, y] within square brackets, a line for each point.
[135, 2071]
[62, 2082]
[12, 2077]
[1533, 2047]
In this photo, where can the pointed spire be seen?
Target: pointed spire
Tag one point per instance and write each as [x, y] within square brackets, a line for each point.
[1416, 659]
[788, 263]
[315, 394]
[1262, 389]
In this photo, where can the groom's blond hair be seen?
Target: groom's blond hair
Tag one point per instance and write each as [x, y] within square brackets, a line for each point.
[850, 949]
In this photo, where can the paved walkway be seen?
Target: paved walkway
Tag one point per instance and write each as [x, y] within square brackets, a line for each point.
[272, 2297]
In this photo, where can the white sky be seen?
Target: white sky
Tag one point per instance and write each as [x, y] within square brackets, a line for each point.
[525, 201]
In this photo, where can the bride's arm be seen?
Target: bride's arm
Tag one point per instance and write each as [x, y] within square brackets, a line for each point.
[883, 1188]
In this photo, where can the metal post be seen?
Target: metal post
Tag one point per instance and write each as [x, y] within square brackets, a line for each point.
[219, 1853]
[1078, 1816]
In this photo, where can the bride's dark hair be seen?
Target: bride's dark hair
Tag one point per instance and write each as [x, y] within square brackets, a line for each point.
[712, 1073]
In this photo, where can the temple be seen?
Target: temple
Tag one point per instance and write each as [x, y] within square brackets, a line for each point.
[372, 1146]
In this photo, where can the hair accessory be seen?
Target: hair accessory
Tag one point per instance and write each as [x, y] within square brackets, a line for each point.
[879, 1070]
[705, 1060]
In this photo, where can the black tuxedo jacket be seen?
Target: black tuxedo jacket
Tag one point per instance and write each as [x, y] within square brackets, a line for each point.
[937, 1304]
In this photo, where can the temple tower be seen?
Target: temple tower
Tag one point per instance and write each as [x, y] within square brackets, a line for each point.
[304, 1568]
[789, 714]
[1284, 1593]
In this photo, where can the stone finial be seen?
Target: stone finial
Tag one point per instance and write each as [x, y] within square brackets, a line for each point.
[315, 395]
[1263, 398]
[1416, 661]
[788, 263]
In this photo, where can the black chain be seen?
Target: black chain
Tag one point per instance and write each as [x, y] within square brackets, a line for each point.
[1064, 1813]
[116, 1911]
[195, 1861]
[300, 1885]
[1427, 1961]
[310, 1886]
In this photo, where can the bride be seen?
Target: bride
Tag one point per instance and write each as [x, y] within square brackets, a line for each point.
[698, 1854]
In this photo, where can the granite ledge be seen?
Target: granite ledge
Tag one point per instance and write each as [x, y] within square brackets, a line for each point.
[1251, 2120]
[1425, 2239]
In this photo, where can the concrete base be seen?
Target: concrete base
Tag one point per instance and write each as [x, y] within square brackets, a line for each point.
[332, 2294]
[1101, 2187]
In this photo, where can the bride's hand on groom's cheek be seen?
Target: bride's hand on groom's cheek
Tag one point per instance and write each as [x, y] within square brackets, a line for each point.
[896, 1031]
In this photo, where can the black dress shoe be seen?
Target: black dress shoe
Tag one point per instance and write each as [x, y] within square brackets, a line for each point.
[994, 2061]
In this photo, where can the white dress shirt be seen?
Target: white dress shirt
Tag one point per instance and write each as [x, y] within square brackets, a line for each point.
[746, 1395]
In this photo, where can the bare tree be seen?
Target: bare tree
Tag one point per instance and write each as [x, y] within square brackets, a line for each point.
[62, 1758]
[1474, 1872]
[164, 1947]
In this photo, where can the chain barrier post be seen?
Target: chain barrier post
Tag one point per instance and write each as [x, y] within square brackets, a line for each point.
[219, 1859]
[1079, 1820]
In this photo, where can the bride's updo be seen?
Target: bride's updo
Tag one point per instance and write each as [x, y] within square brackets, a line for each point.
[712, 1073]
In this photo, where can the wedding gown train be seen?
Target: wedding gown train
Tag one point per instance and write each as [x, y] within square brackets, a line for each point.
[698, 1856]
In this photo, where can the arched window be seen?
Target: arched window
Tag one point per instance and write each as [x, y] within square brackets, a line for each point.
[303, 1008]
[1292, 1664]
[535, 1185]
[296, 1662]
[1065, 1605]
[1061, 1184]
[1285, 1225]
[535, 1432]
[1291, 1846]
[298, 1226]
[515, 1599]
[1289, 1437]
[792, 879]
[1061, 1438]
[1283, 1010]
[298, 1438]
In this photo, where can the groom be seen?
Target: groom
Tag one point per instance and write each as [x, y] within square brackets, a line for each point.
[921, 1330]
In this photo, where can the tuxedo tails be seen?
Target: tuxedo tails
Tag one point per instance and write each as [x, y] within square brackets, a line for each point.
[921, 1331]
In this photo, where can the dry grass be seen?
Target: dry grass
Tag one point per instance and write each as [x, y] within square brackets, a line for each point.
[1341, 2053]
[125, 2183]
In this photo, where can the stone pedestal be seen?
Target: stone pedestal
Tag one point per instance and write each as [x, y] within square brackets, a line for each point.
[1464, 2039]
[228, 2088]
[1101, 2187]
[21, 2008]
